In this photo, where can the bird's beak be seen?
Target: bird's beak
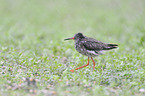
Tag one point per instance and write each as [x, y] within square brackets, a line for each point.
[70, 38]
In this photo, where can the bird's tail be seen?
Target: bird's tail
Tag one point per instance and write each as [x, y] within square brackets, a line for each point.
[110, 46]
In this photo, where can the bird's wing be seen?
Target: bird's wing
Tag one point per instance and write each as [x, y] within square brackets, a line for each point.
[91, 45]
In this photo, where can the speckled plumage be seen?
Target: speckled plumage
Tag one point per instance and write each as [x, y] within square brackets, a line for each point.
[89, 47]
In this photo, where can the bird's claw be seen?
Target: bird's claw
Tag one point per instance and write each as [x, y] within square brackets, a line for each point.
[72, 70]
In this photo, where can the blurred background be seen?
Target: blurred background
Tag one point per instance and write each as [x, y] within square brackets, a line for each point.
[114, 20]
[32, 34]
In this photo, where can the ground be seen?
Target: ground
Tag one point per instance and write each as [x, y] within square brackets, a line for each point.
[35, 59]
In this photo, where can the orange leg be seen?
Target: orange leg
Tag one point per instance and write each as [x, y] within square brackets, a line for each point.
[81, 66]
[93, 63]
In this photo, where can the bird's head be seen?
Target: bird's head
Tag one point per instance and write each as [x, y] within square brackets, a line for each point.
[77, 36]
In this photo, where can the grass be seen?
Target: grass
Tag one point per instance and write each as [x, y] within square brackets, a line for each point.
[32, 45]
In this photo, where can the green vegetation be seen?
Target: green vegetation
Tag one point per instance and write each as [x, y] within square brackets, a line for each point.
[32, 34]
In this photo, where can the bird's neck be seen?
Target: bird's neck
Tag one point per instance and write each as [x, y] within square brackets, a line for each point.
[78, 40]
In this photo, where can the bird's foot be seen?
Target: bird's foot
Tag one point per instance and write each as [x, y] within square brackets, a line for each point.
[72, 70]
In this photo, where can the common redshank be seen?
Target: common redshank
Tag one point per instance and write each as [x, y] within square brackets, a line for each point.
[89, 47]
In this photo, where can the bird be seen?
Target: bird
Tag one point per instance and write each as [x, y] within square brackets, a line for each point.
[89, 47]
